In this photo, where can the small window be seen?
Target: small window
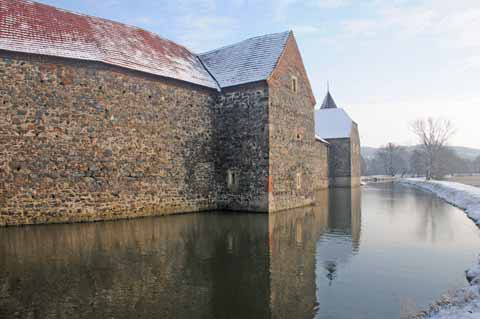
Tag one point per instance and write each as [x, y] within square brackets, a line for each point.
[299, 180]
[294, 84]
[299, 133]
[231, 179]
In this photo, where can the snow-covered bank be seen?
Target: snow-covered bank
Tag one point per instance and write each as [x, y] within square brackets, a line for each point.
[379, 179]
[463, 196]
[465, 303]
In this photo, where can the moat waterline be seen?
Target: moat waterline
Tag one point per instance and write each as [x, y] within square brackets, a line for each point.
[363, 253]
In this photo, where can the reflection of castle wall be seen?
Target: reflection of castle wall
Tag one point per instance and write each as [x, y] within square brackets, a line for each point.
[345, 212]
[342, 240]
[293, 236]
[187, 266]
[356, 217]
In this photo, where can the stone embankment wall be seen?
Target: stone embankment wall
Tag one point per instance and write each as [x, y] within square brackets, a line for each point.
[81, 141]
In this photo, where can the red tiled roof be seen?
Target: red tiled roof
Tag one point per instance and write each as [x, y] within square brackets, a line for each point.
[36, 28]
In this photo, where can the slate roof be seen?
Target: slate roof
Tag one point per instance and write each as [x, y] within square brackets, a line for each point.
[328, 102]
[332, 123]
[248, 61]
[36, 28]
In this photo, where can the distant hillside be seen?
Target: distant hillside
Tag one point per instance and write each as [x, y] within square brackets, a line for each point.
[368, 152]
[464, 152]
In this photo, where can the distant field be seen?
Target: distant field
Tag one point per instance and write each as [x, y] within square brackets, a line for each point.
[470, 180]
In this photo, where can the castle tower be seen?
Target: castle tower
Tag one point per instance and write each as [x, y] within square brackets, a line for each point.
[335, 126]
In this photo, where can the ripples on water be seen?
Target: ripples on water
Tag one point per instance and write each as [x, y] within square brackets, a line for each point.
[356, 254]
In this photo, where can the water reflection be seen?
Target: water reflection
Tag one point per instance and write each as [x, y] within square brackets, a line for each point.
[176, 267]
[313, 262]
[341, 241]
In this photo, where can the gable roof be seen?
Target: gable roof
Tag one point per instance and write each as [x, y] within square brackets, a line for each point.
[328, 102]
[332, 123]
[248, 61]
[36, 28]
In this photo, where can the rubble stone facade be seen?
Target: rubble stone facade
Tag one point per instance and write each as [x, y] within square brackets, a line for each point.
[86, 141]
[344, 160]
[292, 133]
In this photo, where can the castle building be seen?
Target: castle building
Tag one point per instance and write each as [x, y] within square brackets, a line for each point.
[335, 126]
[100, 120]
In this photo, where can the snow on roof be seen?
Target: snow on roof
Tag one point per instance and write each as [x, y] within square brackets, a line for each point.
[248, 61]
[36, 28]
[318, 138]
[332, 123]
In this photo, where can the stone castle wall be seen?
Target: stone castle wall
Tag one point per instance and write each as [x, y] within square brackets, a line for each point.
[344, 160]
[320, 166]
[241, 122]
[81, 141]
[292, 137]
[339, 162]
[355, 158]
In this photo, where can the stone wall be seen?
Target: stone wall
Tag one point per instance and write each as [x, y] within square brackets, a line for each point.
[339, 162]
[241, 139]
[355, 157]
[81, 141]
[320, 166]
[84, 141]
[292, 138]
[344, 160]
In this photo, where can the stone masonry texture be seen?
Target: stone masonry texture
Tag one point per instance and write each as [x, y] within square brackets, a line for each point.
[84, 141]
[241, 130]
[344, 160]
[293, 146]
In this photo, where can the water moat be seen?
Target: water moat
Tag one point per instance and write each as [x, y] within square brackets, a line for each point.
[362, 253]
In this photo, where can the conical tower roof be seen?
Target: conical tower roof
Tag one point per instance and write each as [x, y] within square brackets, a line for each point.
[328, 102]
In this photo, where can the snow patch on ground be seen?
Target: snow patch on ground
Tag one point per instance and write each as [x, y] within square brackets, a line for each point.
[465, 303]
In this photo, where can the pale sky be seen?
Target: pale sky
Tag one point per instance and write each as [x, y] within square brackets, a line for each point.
[389, 62]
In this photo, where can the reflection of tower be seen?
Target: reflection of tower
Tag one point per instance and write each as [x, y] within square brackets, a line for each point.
[342, 238]
[345, 213]
[331, 268]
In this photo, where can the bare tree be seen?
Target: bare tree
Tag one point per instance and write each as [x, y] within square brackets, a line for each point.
[417, 163]
[450, 163]
[433, 135]
[391, 158]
